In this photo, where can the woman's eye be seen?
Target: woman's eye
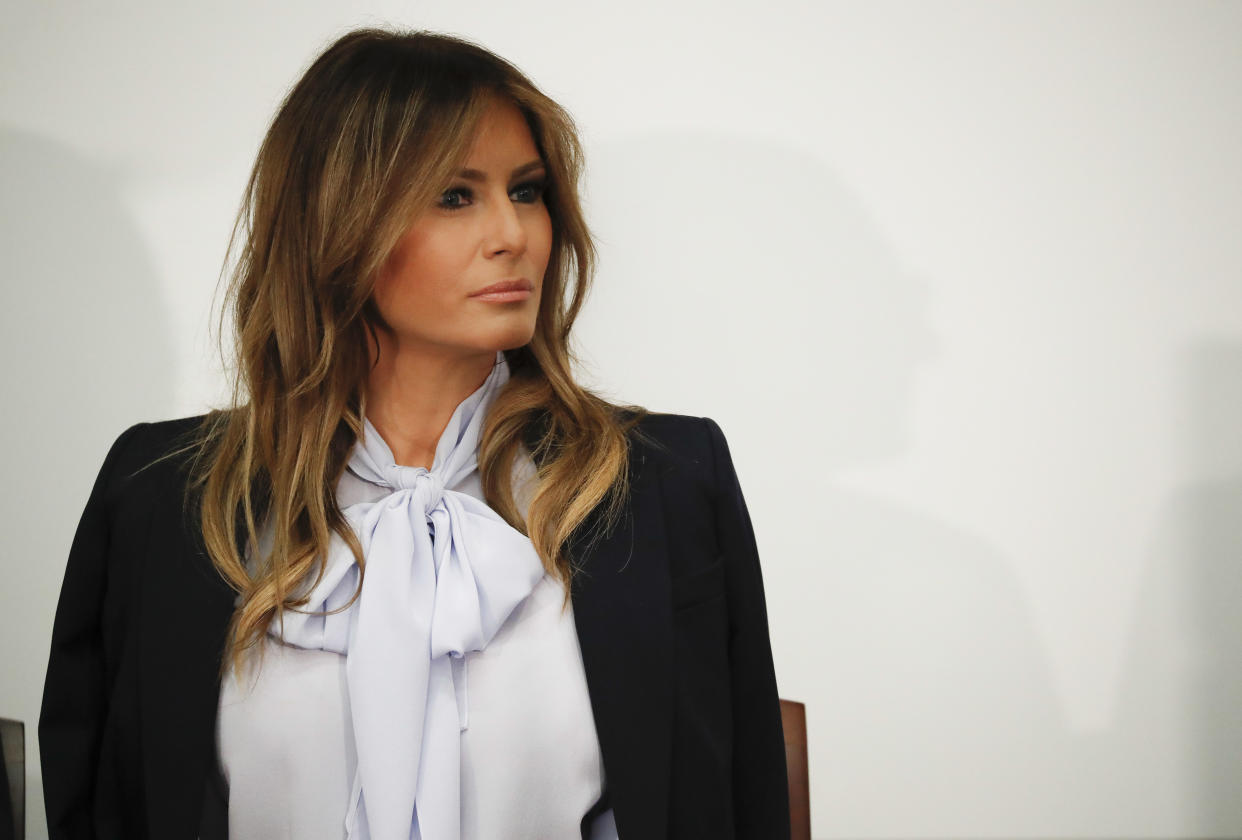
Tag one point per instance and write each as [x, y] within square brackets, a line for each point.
[531, 191]
[454, 198]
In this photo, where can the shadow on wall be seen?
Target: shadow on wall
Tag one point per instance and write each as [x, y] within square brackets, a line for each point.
[86, 353]
[1182, 685]
[749, 272]
[1214, 510]
[759, 278]
[1204, 523]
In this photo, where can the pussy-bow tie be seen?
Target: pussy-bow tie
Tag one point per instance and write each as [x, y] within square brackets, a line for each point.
[443, 572]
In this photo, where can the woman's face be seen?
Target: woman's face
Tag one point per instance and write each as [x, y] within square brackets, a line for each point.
[491, 225]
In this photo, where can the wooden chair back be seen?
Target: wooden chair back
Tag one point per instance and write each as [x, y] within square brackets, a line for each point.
[12, 779]
[793, 720]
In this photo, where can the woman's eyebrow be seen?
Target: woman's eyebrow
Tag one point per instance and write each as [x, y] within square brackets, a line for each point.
[476, 175]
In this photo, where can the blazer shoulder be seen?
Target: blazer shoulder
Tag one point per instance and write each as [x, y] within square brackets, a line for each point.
[678, 444]
[150, 451]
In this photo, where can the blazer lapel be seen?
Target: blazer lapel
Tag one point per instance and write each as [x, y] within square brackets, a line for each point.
[185, 609]
[623, 612]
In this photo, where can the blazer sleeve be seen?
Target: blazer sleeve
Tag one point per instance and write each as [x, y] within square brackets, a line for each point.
[74, 706]
[760, 782]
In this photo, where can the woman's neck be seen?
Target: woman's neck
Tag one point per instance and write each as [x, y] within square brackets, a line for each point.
[412, 393]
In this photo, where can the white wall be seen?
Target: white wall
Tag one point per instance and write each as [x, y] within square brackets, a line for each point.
[960, 281]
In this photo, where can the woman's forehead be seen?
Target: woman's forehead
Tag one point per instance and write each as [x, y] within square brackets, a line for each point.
[500, 135]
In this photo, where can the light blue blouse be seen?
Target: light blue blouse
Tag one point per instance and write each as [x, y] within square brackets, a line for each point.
[530, 763]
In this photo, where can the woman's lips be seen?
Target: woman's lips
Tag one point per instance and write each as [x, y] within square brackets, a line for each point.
[500, 297]
[505, 290]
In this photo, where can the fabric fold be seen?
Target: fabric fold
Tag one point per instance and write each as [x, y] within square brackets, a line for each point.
[443, 573]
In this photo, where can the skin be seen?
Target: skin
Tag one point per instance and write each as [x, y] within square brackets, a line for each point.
[442, 343]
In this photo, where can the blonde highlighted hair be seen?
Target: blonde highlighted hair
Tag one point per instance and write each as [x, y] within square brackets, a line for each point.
[366, 138]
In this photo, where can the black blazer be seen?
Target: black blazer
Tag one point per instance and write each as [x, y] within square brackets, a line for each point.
[670, 617]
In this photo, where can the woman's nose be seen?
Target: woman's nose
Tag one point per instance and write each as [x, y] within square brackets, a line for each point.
[507, 231]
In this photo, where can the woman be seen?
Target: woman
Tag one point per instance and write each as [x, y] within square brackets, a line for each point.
[416, 582]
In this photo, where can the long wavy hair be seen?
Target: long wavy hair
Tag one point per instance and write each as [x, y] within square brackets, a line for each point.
[366, 138]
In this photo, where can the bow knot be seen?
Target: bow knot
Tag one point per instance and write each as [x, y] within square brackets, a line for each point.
[426, 488]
